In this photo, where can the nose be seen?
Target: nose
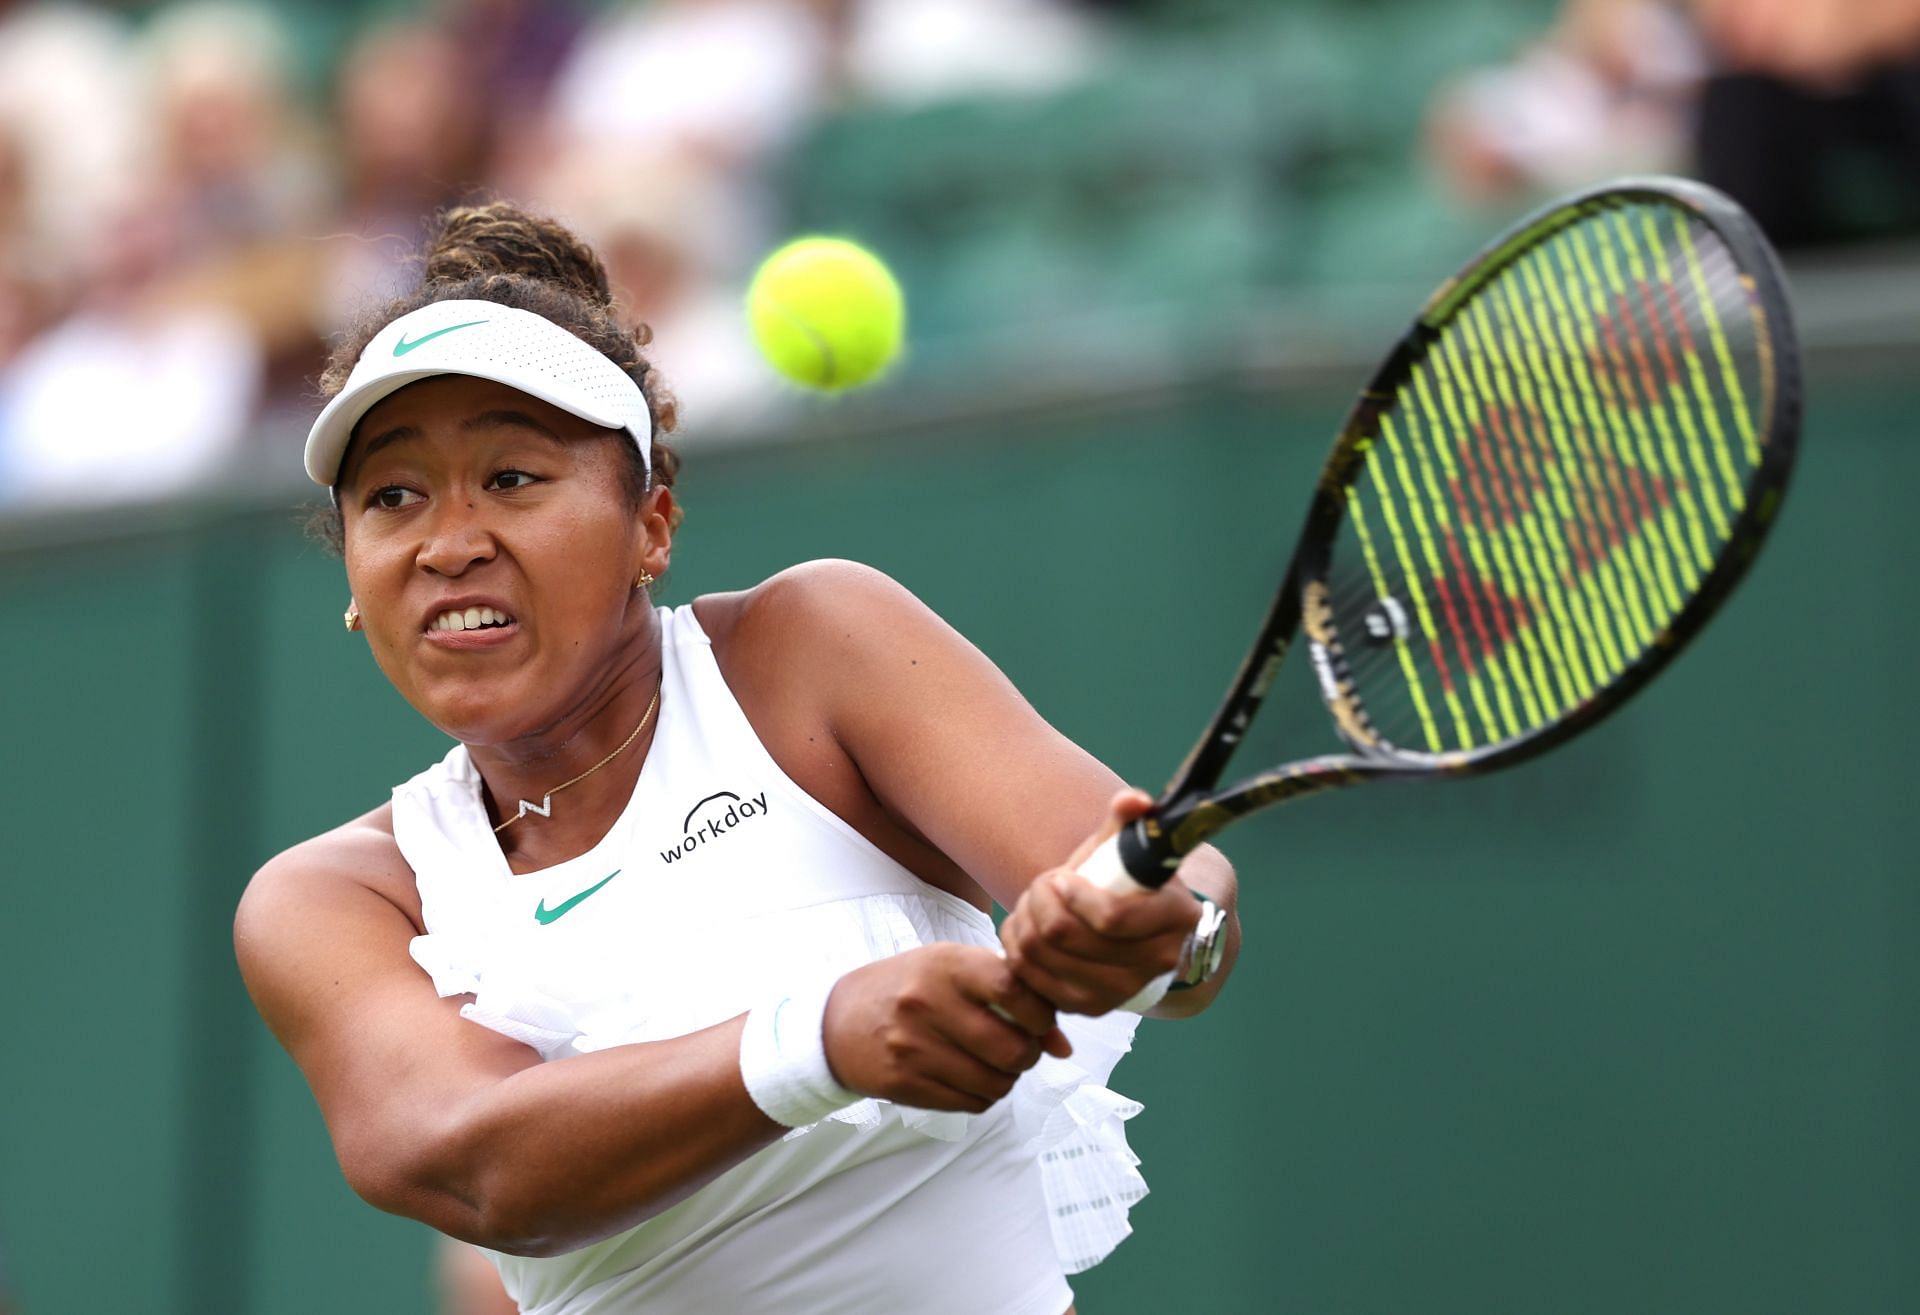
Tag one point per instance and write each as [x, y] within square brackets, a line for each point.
[457, 539]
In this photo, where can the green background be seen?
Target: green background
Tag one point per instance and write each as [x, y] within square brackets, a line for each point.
[1628, 1030]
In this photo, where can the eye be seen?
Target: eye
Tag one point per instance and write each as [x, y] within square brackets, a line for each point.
[514, 479]
[391, 497]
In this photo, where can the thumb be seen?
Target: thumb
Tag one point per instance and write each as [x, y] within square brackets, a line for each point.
[1127, 805]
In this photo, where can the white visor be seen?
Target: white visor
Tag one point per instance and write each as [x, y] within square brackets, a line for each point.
[488, 341]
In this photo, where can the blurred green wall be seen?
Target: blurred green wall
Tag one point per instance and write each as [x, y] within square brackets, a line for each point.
[1630, 1030]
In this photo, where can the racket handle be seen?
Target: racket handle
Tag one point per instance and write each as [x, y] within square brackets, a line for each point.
[1104, 869]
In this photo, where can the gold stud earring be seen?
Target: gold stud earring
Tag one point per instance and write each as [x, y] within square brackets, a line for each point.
[646, 578]
[352, 617]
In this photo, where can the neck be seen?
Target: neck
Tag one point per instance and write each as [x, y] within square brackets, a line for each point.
[531, 766]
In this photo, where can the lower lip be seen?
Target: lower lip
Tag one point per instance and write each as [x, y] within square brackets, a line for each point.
[468, 641]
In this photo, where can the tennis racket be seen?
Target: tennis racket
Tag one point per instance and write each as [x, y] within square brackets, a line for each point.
[1560, 472]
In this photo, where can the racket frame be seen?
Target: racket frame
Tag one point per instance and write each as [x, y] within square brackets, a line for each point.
[1191, 809]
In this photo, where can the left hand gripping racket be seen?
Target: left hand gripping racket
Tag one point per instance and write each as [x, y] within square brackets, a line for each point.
[1560, 472]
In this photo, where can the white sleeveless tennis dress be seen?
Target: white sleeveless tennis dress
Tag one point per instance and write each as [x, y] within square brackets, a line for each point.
[720, 881]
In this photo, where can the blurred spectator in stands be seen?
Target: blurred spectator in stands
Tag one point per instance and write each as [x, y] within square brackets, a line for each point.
[133, 395]
[69, 111]
[908, 52]
[238, 182]
[22, 310]
[513, 50]
[235, 166]
[718, 87]
[1608, 90]
[413, 136]
[1806, 111]
[1812, 120]
[129, 393]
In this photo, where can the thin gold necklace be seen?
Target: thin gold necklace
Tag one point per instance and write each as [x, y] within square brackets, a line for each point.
[545, 806]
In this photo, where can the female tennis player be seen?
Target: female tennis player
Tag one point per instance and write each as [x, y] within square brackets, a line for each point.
[673, 985]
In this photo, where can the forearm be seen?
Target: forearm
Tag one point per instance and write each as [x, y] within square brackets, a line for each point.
[560, 1155]
[1207, 872]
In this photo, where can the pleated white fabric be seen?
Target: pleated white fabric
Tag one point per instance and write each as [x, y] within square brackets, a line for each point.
[721, 881]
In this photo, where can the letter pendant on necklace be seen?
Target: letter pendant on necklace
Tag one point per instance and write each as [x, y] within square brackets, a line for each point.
[544, 808]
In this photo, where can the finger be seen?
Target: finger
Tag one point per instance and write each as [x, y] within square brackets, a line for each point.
[1078, 984]
[926, 1094]
[1053, 1040]
[1128, 917]
[1107, 960]
[989, 1038]
[1124, 808]
[1051, 929]
[951, 1066]
[1021, 1005]
[987, 979]
[1082, 989]
[1051, 924]
[1067, 913]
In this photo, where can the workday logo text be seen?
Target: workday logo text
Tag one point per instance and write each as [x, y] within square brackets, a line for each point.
[712, 818]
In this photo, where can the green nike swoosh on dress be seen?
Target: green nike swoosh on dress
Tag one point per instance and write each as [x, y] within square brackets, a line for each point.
[544, 915]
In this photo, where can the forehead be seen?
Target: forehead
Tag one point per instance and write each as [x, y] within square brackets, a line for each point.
[451, 409]
[452, 401]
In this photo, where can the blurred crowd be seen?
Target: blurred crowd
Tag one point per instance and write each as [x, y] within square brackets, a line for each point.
[195, 196]
[192, 202]
[1806, 111]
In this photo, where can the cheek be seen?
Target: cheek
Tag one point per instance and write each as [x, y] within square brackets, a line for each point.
[585, 588]
[584, 557]
[370, 573]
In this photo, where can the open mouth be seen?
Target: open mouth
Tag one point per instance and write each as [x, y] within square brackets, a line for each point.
[472, 618]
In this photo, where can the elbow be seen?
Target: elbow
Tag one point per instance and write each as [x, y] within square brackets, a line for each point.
[437, 1177]
[465, 1188]
[465, 1208]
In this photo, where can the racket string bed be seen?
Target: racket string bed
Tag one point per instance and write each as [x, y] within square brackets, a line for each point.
[1556, 474]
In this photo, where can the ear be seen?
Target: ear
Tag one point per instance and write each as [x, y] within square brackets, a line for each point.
[657, 515]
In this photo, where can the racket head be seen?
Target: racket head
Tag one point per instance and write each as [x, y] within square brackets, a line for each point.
[1555, 478]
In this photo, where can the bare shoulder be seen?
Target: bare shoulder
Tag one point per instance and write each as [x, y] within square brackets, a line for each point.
[319, 907]
[829, 630]
[804, 603]
[359, 854]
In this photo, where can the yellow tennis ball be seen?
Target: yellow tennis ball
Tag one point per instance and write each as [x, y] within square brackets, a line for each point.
[826, 313]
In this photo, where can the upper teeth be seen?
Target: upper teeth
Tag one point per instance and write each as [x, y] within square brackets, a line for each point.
[471, 618]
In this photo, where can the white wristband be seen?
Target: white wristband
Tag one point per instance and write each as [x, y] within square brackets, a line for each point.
[783, 1058]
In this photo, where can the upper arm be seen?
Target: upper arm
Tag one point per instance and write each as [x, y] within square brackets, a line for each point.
[939, 734]
[325, 958]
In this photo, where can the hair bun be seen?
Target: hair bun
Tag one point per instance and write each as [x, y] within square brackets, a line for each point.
[499, 238]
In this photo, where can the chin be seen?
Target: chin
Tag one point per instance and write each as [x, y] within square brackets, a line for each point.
[487, 714]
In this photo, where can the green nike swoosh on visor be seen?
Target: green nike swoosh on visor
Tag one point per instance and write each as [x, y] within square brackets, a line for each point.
[402, 347]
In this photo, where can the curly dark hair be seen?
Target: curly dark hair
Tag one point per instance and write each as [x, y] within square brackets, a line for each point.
[501, 253]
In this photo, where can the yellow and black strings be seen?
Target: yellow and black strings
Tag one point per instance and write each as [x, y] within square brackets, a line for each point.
[1551, 481]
